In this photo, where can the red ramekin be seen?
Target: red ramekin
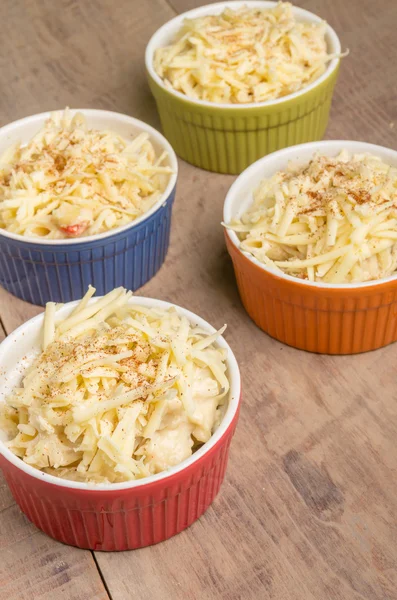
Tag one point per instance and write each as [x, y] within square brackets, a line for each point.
[116, 516]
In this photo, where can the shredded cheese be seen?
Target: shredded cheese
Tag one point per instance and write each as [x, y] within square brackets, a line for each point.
[333, 220]
[244, 55]
[72, 181]
[132, 393]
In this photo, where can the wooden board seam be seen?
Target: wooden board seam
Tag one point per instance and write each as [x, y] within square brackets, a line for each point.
[172, 7]
[105, 585]
[2, 327]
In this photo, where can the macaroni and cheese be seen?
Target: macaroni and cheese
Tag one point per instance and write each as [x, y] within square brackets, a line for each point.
[333, 220]
[72, 181]
[119, 392]
[244, 55]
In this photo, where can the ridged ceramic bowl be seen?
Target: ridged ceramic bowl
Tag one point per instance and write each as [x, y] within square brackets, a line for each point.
[226, 138]
[318, 317]
[40, 271]
[119, 516]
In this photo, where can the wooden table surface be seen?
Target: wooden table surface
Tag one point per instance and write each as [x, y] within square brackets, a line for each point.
[309, 505]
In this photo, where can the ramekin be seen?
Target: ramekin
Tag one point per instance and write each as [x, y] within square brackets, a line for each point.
[40, 271]
[318, 317]
[226, 138]
[120, 516]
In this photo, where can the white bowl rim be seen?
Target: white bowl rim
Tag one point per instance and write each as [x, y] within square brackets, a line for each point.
[233, 405]
[201, 10]
[322, 146]
[156, 135]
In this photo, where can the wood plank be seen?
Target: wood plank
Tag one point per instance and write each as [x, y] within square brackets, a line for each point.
[307, 511]
[35, 566]
[14, 312]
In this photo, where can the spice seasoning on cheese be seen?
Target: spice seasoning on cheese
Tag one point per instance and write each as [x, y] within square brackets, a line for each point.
[333, 220]
[243, 56]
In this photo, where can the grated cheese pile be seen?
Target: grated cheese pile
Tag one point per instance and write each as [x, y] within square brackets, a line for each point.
[71, 181]
[119, 392]
[244, 55]
[333, 220]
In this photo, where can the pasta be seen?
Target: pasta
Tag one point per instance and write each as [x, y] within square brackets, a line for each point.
[244, 55]
[333, 220]
[72, 181]
[119, 392]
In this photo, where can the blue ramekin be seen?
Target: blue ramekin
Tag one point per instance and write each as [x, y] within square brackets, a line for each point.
[40, 271]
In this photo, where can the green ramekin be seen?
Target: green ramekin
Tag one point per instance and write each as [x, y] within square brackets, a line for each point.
[227, 138]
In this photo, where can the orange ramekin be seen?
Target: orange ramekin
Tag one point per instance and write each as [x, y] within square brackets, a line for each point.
[317, 317]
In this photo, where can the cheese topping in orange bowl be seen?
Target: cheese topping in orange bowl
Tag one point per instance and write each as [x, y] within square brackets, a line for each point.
[332, 220]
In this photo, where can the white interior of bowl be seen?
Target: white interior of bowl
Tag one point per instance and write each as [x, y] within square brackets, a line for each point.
[167, 32]
[240, 194]
[125, 126]
[20, 348]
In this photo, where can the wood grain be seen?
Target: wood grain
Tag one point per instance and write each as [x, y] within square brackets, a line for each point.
[308, 509]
